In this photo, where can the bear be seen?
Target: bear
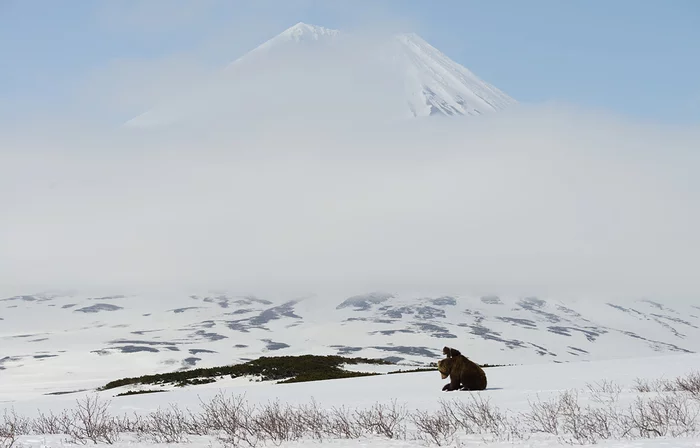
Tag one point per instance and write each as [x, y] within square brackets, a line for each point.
[464, 373]
[450, 352]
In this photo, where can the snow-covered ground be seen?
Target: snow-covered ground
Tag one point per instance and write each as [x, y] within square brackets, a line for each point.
[511, 389]
[69, 341]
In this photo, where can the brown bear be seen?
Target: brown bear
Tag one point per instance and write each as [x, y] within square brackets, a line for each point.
[464, 374]
[450, 352]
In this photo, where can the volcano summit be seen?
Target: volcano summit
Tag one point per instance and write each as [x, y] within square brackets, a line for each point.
[309, 70]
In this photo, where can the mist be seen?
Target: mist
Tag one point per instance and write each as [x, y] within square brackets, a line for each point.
[298, 177]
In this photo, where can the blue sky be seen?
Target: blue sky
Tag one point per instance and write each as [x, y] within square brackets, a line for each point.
[640, 58]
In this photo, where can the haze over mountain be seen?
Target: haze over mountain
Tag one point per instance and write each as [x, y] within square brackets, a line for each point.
[312, 71]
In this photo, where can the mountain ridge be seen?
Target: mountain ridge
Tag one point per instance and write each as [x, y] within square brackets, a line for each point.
[90, 338]
[430, 82]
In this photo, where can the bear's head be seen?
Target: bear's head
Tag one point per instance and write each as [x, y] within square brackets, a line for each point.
[445, 367]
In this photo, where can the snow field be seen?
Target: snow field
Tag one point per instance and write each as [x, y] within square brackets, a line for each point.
[390, 410]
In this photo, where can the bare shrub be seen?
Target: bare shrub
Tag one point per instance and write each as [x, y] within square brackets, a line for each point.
[52, 424]
[479, 416]
[166, 426]
[90, 421]
[236, 423]
[665, 415]
[12, 426]
[690, 384]
[438, 428]
[544, 416]
[564, 417]
[314, 420]
[604, 392]
[342, 423]
[277, 423]
[384, 420]
[231, 419]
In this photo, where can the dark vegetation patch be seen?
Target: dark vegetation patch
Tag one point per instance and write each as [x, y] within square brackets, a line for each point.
[542, 351]
[435, 331]
[265, 317]
[39, 340]
[419, 369]
[210, 336]
[396, 313]
[669, 327]
[66, 392]
[391, 332]
[225, 301]
[191, 361]
[271, 345]
[275, 313]
[535, 305]
[69, 305]
[143, 332]
[393, 359]
[410, 351]
[492, 300]
[107, 298]
[527, 323]
[98, 307]
[345, 350]
[444, 301]
[375, 320]
[183, 309]
[365, 301]
[657, 305]
[429, 312]
[240, 346]
[571, 312]
[139, 342]
[27, 298]
[432, 367]
[630, 311]
[139, 392]
[657, 345]
[674, 319]
[44, 356]
[580, 350]
[8, 359]
[136, 349]
[490, 335]
[286, 369]
[196, 351]
[591, 335]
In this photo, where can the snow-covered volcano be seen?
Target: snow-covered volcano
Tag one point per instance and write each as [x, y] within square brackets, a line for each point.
[310, 69]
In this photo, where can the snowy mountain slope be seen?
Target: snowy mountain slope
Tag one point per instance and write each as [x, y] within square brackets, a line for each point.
[319, 69]
[437, 85]
[94, 339]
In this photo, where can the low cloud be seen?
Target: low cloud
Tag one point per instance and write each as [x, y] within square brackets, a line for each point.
[294, 176]
[546, 199]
